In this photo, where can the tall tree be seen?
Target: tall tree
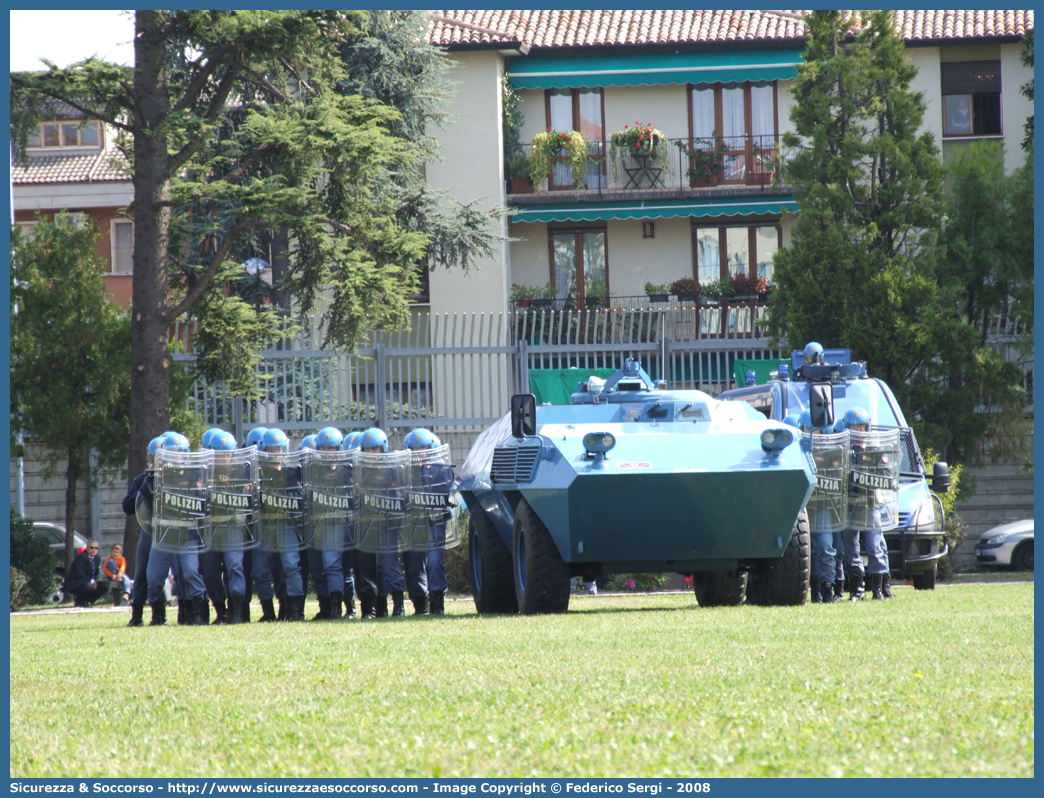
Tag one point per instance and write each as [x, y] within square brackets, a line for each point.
[863, 268]
[237, 129]
[70, 344]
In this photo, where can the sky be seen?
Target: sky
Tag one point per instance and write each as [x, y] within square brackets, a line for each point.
[69, 36]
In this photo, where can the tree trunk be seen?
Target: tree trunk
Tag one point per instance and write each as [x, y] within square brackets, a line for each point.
[150, 355]
[72, 474]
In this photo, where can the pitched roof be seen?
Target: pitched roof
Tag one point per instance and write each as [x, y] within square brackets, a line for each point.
[93, 167]
[592, 27]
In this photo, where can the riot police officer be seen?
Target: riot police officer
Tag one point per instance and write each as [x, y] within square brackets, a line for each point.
[436, 478]
[813, 356]
[284, 536]
[193, 593]
[327, 553]
[823, 553]
[871, 541]
[260, 562]
[138, 502]
[232, 536]
[349, 560]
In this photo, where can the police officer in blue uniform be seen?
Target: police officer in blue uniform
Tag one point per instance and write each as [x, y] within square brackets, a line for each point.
[275, 441]
[143, 487]
[212, 562]
[435, 477]
[232, 559]
[261, 569]
[823, 553]
[349, 558]
[326, 566]
[813, 356]
[871, 541]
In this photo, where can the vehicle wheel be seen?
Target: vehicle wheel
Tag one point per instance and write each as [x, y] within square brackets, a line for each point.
[720, 588]
[1023, 559]
[490, 561]
[541, 575]
[783, 581]
[926, 580]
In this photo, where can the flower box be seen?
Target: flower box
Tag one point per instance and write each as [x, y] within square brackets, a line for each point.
[543, 303]
[688, 297]
[658, 297]
[521, 185]
[594, 302]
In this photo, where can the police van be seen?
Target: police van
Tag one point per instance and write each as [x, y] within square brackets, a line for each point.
[838, 384]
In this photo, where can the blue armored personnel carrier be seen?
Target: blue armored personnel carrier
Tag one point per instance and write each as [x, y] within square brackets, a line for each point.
[917, 541]
[630, 477]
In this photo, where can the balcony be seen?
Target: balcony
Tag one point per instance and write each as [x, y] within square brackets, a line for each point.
[738, 165]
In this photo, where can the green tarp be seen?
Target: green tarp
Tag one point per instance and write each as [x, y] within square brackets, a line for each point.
[761, 369]
[650, 209]
[557, 385]
[650, 69]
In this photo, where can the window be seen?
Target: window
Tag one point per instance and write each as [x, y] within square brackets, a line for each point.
[579, 263]
[122, 246]
[67, 134]
[744, 117]
[723, 252]
[971, 98]
[583, 110]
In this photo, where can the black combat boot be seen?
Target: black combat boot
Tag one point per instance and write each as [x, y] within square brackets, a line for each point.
[236, 610]
[814, 587]
[221, 610]
[381, 606]
[826, 594]
[367, 608]
[187, 612]
[420, 604]
[202, 611]
[334, 612]
[858, 593]
[159, 613]
[886, 585]
[839, 590]
[267, 611]
[398, 605]
[875, 586]
[137, 610]
[284, 608]
[438, 602]
[295, 612]
[182, 605]
[246, 610]
[324, 609]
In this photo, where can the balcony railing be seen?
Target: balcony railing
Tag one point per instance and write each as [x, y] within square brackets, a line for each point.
[737, 161]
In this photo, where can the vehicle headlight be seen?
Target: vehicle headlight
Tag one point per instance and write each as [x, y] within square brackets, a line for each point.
[596, 444]
[773, 441]
[924, 518]
[996, 540]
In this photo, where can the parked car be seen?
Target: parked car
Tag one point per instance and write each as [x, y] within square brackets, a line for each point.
[1007, 545]
[54, 534]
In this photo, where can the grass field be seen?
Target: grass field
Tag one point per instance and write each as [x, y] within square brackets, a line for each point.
[931, 683]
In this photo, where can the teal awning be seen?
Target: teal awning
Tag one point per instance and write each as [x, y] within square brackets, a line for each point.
[652, 209]
[647, 69]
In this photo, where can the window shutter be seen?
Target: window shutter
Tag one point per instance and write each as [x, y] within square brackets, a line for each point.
[971, 77]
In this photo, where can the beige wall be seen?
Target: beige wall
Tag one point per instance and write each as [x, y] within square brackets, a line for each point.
[635, 261]
[665, 107]
[472, 169]
[1014, 106]
[928, 82]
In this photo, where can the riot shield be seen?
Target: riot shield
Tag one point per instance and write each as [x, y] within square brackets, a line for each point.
[179, 505]
[382, 483]
[281, 508]
[429, 507]
[233, 492]
[143, 506]
[328, 482]
[828, 507]
[874, 487]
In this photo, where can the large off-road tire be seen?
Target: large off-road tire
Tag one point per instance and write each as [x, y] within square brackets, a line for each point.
[541, 575]
[783, 581]
[1023, 559]
[926, 579]
[720, 588]
[490, 561]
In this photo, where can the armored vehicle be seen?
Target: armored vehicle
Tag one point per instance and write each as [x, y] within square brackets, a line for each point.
[916, 539]
[631, 477]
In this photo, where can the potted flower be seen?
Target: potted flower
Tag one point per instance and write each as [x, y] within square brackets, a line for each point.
[686, 289]
[706, 159]
[641, 141]
[596, 293]
[657, 292]
[527, 295]
[517, 165]
[547, 147]
[716, 289]
[747, 286]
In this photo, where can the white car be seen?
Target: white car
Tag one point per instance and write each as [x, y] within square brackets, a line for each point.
[1008, 544]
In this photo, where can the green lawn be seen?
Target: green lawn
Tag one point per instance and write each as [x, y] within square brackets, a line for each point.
[931, 683]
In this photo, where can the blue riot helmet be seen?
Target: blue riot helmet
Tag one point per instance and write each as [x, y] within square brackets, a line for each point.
[329, 438]
[839, 426]
[175, 442]
[805, 421]
[857, 419]
[351, 440]
[307, 442]
[208, 437]
[421, 438]
[813, 352]
[374, 438]
[275, 440]
[150, 454]
[794, 420]
[254, 437]
[222, 441]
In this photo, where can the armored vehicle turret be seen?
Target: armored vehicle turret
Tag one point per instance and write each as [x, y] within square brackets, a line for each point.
[631, 477]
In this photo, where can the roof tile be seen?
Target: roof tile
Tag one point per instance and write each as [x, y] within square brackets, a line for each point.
[93, 167]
